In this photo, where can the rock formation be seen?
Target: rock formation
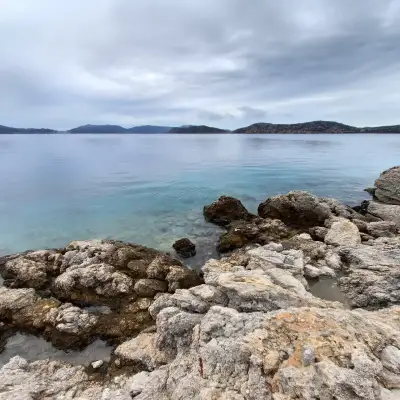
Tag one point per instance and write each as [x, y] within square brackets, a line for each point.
[251, 330]
[47, 292]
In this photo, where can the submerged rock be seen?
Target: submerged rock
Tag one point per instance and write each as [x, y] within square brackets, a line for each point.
[185, 248]
[226, 210]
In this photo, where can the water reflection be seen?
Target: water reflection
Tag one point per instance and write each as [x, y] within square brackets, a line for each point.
[34, 348]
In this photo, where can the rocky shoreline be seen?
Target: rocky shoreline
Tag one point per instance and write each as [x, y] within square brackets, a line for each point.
[248, 327]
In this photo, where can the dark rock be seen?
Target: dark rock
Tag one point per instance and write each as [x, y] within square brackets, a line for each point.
[242, 233]
[318, 233]
[185, 248]
[231, 241]
[150, 287]
[296, 209]
[362, 208]
[226, 210]
[361, 225]
[371, 191]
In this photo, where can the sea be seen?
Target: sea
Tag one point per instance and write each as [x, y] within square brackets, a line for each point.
[151, 190]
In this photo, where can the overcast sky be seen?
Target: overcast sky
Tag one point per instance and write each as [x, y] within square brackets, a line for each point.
[227, 63]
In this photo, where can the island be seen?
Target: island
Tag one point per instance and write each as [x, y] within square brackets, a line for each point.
[197, 129]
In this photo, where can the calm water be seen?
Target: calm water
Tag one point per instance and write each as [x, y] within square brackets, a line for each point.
[151, 189]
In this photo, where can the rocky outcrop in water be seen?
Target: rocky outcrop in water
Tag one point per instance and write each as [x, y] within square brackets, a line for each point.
[225, 211]
[49, 292]
[185, 248]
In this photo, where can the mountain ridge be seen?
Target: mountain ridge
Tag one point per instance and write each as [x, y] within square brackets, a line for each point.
[316, 127]
[197, 129]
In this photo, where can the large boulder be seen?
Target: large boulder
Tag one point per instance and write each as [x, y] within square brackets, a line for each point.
[387, 212]
[226, 210]
[372, 273]
[343, 233]
[259, 231]
[298, 209]
[388, 186]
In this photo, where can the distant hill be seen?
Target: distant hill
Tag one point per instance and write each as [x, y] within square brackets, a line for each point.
[306, 127]
[315, 127]
[98, 129]
[149, 129]
[8, 129]
[382, 129]
[197, 129]
[120, 129]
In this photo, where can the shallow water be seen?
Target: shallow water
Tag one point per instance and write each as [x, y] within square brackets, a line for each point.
[34, 348]
[151, 189]
[327, 289]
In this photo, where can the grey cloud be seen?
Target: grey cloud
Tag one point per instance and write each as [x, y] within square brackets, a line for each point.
[226, 62]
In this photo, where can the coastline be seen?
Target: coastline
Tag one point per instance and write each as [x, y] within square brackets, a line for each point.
[246, 328]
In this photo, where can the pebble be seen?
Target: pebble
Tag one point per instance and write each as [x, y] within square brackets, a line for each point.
[97, 364]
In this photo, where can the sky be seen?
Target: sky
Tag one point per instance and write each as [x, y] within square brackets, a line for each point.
[225, 63]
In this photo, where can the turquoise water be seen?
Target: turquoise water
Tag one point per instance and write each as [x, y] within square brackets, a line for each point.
[151, 189]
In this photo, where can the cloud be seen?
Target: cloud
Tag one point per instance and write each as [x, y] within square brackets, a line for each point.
[226, 62]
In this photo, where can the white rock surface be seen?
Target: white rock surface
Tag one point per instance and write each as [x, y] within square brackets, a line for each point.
[343, 233]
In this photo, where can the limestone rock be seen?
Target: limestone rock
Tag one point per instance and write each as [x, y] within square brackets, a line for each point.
[313, 272]
[286, 355]
[271, 280]
[174, 272]
[388, 186]
[32, 269]
[122, 277]
[387, 212]
[141, 352]
[93, 283]
[70, 319]
[185, 248]
[382, 229]
[343, 233]
[372, 277]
